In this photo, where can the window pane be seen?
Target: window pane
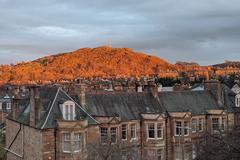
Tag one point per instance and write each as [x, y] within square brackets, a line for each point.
[223, 123]
[124, 131]
[186, 129]
[114, 135]
[178, 128]
[215, 123]
[77, 142]
[66, 142]
[200, 124]
[104, 135]
[194, 125]
[151, 132]
[159, 130]
[133, 131]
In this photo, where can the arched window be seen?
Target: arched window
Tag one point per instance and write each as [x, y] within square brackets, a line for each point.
[68, 110]
[237, 100]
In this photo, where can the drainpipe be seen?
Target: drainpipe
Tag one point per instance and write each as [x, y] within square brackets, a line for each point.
[166, 141]
[141, 134]
[55, 143]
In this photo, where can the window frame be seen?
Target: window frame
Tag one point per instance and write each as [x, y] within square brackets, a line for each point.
[215, 123]
[106, 135]
[68, 114]
[161, 129]
[176, 126]
[152, 129]
[155, 130]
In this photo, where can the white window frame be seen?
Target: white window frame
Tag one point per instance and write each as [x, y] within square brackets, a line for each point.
[66, 110]
[148, 126]
[133, 131]
[155, 130]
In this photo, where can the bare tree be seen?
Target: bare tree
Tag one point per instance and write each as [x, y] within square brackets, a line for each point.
[112, 151]
[221, 146]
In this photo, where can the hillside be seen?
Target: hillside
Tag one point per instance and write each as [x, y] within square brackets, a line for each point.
[86, 62]
[232, 64]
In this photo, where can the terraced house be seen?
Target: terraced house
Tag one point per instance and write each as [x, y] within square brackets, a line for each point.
[54, 125]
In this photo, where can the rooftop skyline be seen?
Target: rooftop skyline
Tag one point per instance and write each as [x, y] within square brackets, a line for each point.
[204, 31]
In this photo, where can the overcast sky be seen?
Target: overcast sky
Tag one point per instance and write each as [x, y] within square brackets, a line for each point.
[205, 31]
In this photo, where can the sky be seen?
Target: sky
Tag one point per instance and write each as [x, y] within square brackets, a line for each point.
[203, 31]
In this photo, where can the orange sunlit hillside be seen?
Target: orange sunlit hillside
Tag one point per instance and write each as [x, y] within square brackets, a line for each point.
[87, 62]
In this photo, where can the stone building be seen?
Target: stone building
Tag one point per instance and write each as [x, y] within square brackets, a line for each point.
[54, 125]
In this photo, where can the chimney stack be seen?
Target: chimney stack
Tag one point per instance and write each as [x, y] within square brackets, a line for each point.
[15, 104]
[34, 105]
[214, 86]
[80, 90]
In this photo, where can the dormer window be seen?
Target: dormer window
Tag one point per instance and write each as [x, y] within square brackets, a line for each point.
[68, 110]
[237, 100]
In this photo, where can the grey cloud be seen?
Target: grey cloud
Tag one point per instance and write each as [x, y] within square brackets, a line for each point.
[205, 31]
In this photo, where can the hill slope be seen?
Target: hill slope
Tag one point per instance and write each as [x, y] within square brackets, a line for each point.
[85, 62]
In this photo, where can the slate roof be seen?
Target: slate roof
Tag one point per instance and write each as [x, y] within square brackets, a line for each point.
[51, 97]
[127, 105]
[197, 102]
[228, 97]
